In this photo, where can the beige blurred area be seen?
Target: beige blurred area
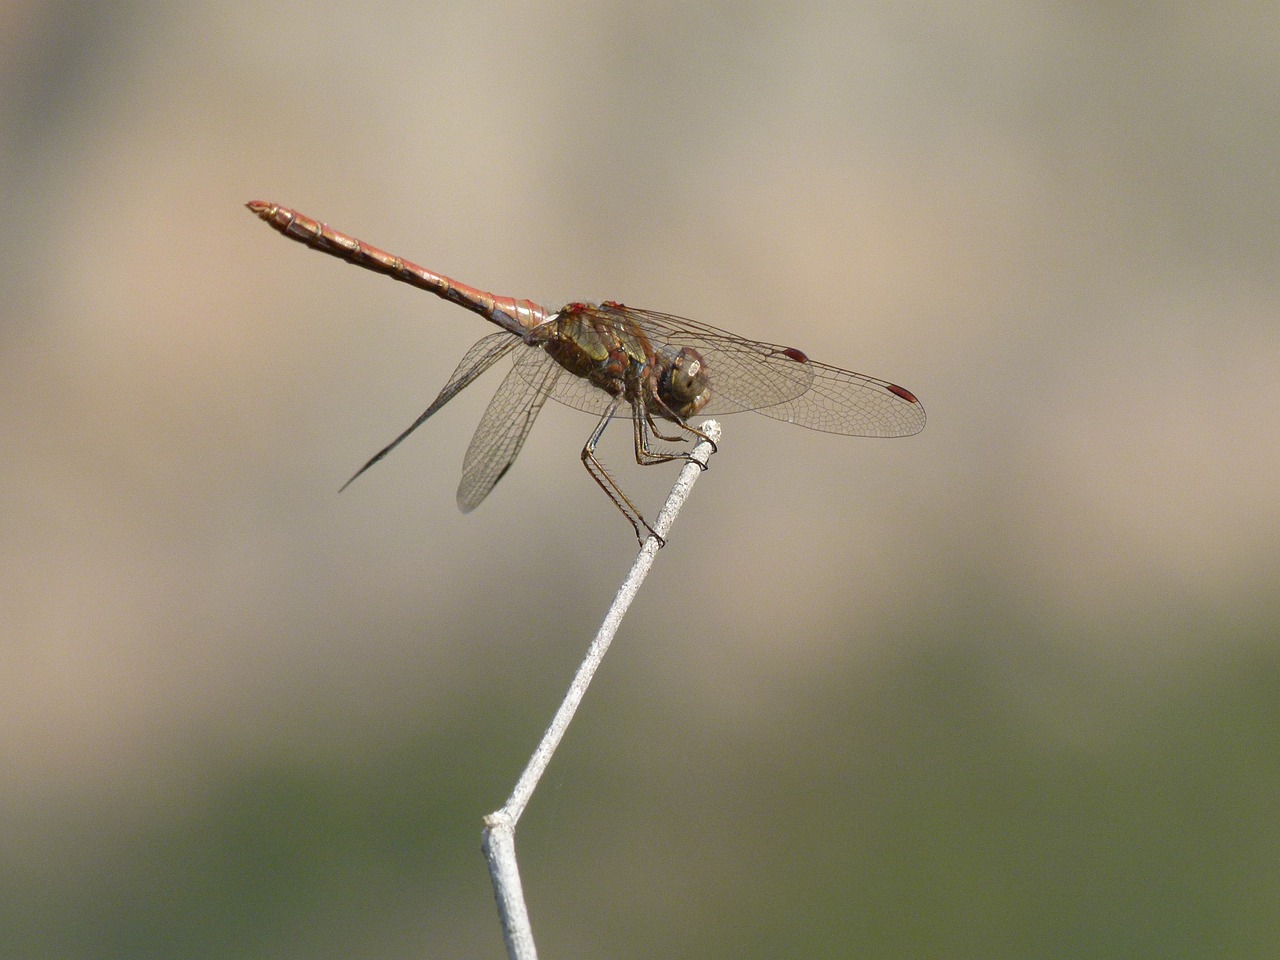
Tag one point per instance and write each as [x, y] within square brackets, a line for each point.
[1008, 688]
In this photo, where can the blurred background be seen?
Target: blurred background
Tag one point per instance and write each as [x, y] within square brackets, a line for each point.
[1009, 688]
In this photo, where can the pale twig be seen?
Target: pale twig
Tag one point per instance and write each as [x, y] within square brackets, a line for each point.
[500, 826]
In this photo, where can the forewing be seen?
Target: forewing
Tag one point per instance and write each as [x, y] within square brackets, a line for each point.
[841, 401]
[783, 383]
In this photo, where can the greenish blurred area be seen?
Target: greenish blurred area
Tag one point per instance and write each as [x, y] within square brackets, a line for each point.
[924, 818]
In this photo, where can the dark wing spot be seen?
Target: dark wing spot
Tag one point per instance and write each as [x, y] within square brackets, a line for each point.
[902, 392]
[791, 353]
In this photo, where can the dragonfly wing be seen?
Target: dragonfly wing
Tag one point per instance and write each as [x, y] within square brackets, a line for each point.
[573, 391]
[841, 401]
[477, 360]
[783, 383]
[505, 425]
[778, 381]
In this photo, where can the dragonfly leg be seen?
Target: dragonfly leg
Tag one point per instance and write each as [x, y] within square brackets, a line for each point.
[643, 424]
[610, 486]
[701, 436]
[653, 428]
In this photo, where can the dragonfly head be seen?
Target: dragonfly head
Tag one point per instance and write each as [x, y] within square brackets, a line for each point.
[684, 386]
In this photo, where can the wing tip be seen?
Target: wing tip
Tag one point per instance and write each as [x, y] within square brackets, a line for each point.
[901, 392]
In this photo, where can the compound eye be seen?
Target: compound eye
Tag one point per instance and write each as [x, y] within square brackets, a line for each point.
[686, 384]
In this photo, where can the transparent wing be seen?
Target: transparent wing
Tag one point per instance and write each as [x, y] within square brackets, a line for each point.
[477, 360]
[505, 425]
[572, 391]
[783, 383]
[853, 404]
[777, 381]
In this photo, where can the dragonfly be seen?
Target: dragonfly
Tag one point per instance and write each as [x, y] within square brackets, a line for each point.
[616, 362]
